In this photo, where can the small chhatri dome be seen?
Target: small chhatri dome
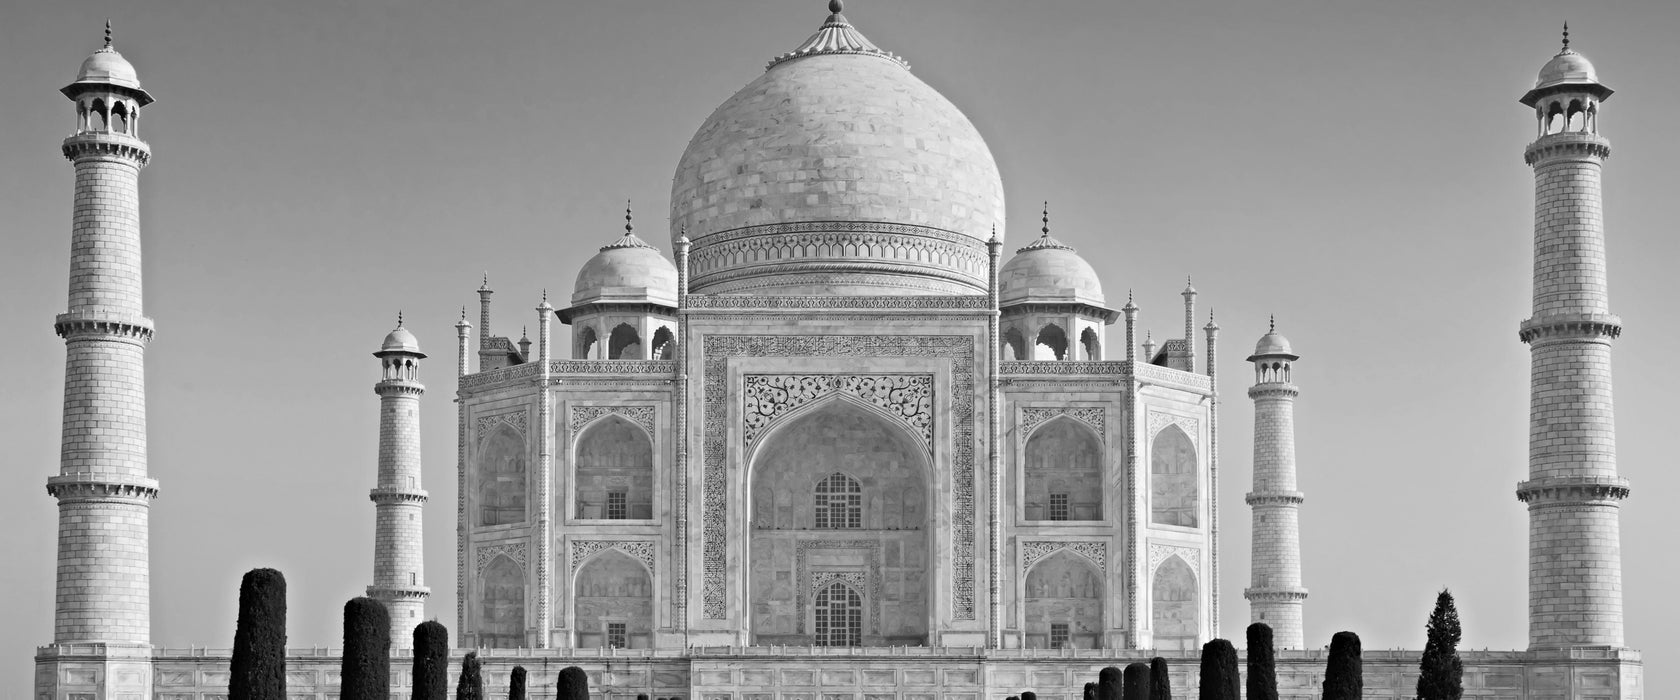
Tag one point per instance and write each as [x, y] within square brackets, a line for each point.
[1567, 70]
[107, 67]
[1048, 270]
[400, 340]
[628, 270]
[1273, 344]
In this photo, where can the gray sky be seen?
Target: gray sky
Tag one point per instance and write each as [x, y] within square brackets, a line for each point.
[1355, 168]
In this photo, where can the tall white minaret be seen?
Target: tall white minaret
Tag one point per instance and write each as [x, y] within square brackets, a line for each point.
[399, 572]
[1275, 595]
[104, 495]
[1573, 491]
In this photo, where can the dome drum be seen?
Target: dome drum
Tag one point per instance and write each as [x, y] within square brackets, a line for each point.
[838, 257]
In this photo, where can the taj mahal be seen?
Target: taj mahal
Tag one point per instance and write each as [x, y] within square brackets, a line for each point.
[834, 438]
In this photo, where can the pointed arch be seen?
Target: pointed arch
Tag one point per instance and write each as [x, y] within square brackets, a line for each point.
[501, 609]
[1063, 603]
[98, 116]
[1063, 472]
[583, 344]
[624, 343]
[613, 601]
[119, 117]
[1091, 343]
[664, 343]
[1174, 605]
[1173, 486]
[1051, 341]
[1014, 346]
[502, 478]
[613, 460]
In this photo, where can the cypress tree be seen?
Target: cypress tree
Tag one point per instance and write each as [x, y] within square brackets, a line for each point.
[258, 668]
[1108, 684]
[1029, 695]
[471, 684]
[1136, 681]
[573, 684]
[1160, 681]
[641, 696]
[1441, 674]
[431, 661]
[1262, 663]
[1090, 692]
[366, 672]
[516, 687]
[1219, 672]
[1344, 677]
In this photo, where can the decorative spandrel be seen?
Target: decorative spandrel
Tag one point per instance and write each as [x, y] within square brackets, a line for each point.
[767, 397]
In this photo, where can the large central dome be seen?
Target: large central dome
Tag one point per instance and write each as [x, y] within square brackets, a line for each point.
[837, 171]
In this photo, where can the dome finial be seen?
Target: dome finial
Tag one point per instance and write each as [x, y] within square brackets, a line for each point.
[1271, 326]
[108, 33]
[629, 226]
[1565, 36]
[399, 318]
[463, 312]
[835, 6]
[1046, 228]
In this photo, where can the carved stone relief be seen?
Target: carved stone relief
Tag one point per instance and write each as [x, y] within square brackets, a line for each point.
[1159, 552]
[637, 549]
[870, 587]
[907, 397]
[486, 553]
[1032, 552]
[1158, 420]
[584, 415]
[514, 419]
[1094, 416]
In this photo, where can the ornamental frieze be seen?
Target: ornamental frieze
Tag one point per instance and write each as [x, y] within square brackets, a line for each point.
[1033, 552]
[512, 419]
[1158, 553]
[1159, 420]
[1094, 416]
[486, 553]
[639, 550]
[582, 416]
[907, 397]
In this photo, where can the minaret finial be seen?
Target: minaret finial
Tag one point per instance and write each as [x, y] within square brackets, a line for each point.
[399, 318]
[545, 295]
[1565, 35]
[834, 6]
[1046, 228]
[629, 226]
[108, 33]
[463, 312]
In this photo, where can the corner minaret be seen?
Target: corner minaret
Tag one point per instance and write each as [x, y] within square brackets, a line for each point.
[399, 577]
[1573, 492]
[104, 495]
[1275, 594]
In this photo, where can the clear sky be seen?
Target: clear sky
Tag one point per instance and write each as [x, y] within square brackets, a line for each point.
[1354, 167]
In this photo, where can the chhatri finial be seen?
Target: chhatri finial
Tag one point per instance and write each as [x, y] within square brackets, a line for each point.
[1271, 327]
[399, 318]
[834, 6]
[629, 226]
[1565, 35]
[1046, 228]
[108, 33]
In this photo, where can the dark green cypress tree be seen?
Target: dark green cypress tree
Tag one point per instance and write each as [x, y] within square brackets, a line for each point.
[1160, 680]
[516, 687]
[431, 661]
[573, 684]
[1262, 663]
[1441, 674]
[1090, 692]
[1136, 681]
[258, 668]
[366, 673]
[1029, 695]
[1219, 672]
[1108, 683]
[1344, 677]
[471, 684]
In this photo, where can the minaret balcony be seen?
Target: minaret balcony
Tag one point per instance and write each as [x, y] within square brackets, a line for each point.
[1570, 326]
[1572, 490]
[397, 496]
[398, 593]
[106, 143]
[97, 487]
[1568, 145]
[1275, 498]
[1275, 594]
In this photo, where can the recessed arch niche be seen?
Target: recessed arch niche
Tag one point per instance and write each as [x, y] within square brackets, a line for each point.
[1173, 497]
[1064, 589]
[1173, 605]
[888, 553]
[502, 483]
[614, 470]
[611, 588]
[1063, 472]
[501, 610]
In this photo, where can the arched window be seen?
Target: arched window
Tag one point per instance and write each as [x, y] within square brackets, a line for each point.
[119, 118]
[1173, 603]
[839, 617]
[501, 620]
[584, 341]
[1052, 343]
[664, 344]
[1064, 603]
[624, 344]
[614, 471]
[501, 479]
[1093, 346]
[839, 503]
[98, 115]
[1172, 476]
[1014, 346]
[1063, 472]
[614, 603]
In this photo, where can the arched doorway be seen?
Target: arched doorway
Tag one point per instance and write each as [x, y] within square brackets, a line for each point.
[1063, 603]
[1172, 475]
[613, 603]
[1063, 472]
[501, 612]
[840, 497]
[1173, 605]
[614, 471]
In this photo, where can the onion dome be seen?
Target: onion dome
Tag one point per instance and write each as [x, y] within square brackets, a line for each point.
[1567, 71]
[400, 340]
[106, 67]
[627, 270]
[837, 171]
[1273, 344]
[1048, 271]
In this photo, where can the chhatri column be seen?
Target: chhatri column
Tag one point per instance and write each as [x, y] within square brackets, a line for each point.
[399, 572]
[1275, 595]
[1573, 491]
[104, 495]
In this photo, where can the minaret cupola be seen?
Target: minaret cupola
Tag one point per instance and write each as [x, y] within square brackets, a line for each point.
[107, 93]
[1272, 357]
[1567, 93]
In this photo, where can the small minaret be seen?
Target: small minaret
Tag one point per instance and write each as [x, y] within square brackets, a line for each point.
[104, 494]
[1573, 491]
[399, 577]
[1189, 326]
[1275, 594]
